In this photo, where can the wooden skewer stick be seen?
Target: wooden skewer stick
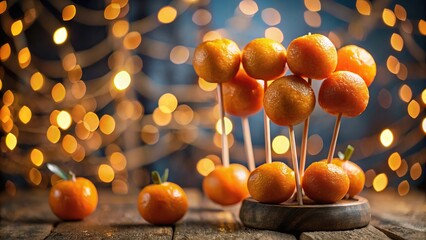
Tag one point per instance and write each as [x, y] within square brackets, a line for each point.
[295, 164]
[248, 146]
[225, 145]
[334, 138]
[267, 130]
[304, 141]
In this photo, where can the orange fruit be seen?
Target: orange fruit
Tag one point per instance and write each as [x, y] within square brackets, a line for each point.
[243, 95]
[355, 173]
[73, 198]
[325, 183]
[162, 203]
[343, 92]
[264, 59]
[272, 183]
[313, 56]
[289, 100]
[227, 185]
[357, 60]
[217, 61]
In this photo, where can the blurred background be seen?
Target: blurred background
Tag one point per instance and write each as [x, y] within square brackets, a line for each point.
[106, 89]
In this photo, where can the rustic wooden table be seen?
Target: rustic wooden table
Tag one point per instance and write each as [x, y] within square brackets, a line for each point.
[27, 216]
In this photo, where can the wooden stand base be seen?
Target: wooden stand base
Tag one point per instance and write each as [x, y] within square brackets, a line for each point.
[290, 217]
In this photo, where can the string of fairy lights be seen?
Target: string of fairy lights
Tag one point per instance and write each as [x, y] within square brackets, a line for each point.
[70, 120]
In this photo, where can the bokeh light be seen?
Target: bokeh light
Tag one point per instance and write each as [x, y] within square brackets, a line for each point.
[228, 126]
[394, 161]
[68, 12]
[107, 124]
[167, 103]
[11, 141]
[16, 27]
[106, 173]
[53, 134]
[416, 171]
[122, 80]
[37, 81]
[167, 14]
[25, 114]
[69, 144]
[205, 166]
[37, 157]
[380, 182]
[280, 144]
[403, 188]
[60, 35]
[386, 137]
[64, 120]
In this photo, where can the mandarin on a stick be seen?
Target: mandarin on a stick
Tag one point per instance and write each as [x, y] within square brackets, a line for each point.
[289, 100]
[227, 185]
[325, 182]
[264, 59]
[357, 60]
[217, 61]
[345, 93]
[272, 183]
[243, 95]
[312, 56]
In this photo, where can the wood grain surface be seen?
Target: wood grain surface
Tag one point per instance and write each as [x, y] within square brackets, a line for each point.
[290, 217]
[27, 215]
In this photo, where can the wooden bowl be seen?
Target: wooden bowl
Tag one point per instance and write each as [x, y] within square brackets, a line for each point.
[290, 217]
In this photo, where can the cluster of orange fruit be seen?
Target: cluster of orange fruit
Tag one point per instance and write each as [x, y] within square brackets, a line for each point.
[160, 203]
[287, 101]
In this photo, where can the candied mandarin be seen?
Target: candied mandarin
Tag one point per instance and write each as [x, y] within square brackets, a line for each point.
[325, 182]
[264, 58]
[227, 185]
[345, 93]
[272, 183]
[355, 173]
[357, 60]
[243, 95]
[217, 61]
[289, 100]
[313, 56]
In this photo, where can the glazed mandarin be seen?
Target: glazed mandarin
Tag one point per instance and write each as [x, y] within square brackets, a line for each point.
[227, 185]
[72, 198]
[357, 60]
[264, 59]
[355, 173]
[272, 183]
[345, 93]
[243, 95]
[313, 56]
[289, 100]
[162, 203]
[217, 61]
[325, 182]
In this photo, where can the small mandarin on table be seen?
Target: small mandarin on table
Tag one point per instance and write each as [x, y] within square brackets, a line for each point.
[72, 198]
[162, 203]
